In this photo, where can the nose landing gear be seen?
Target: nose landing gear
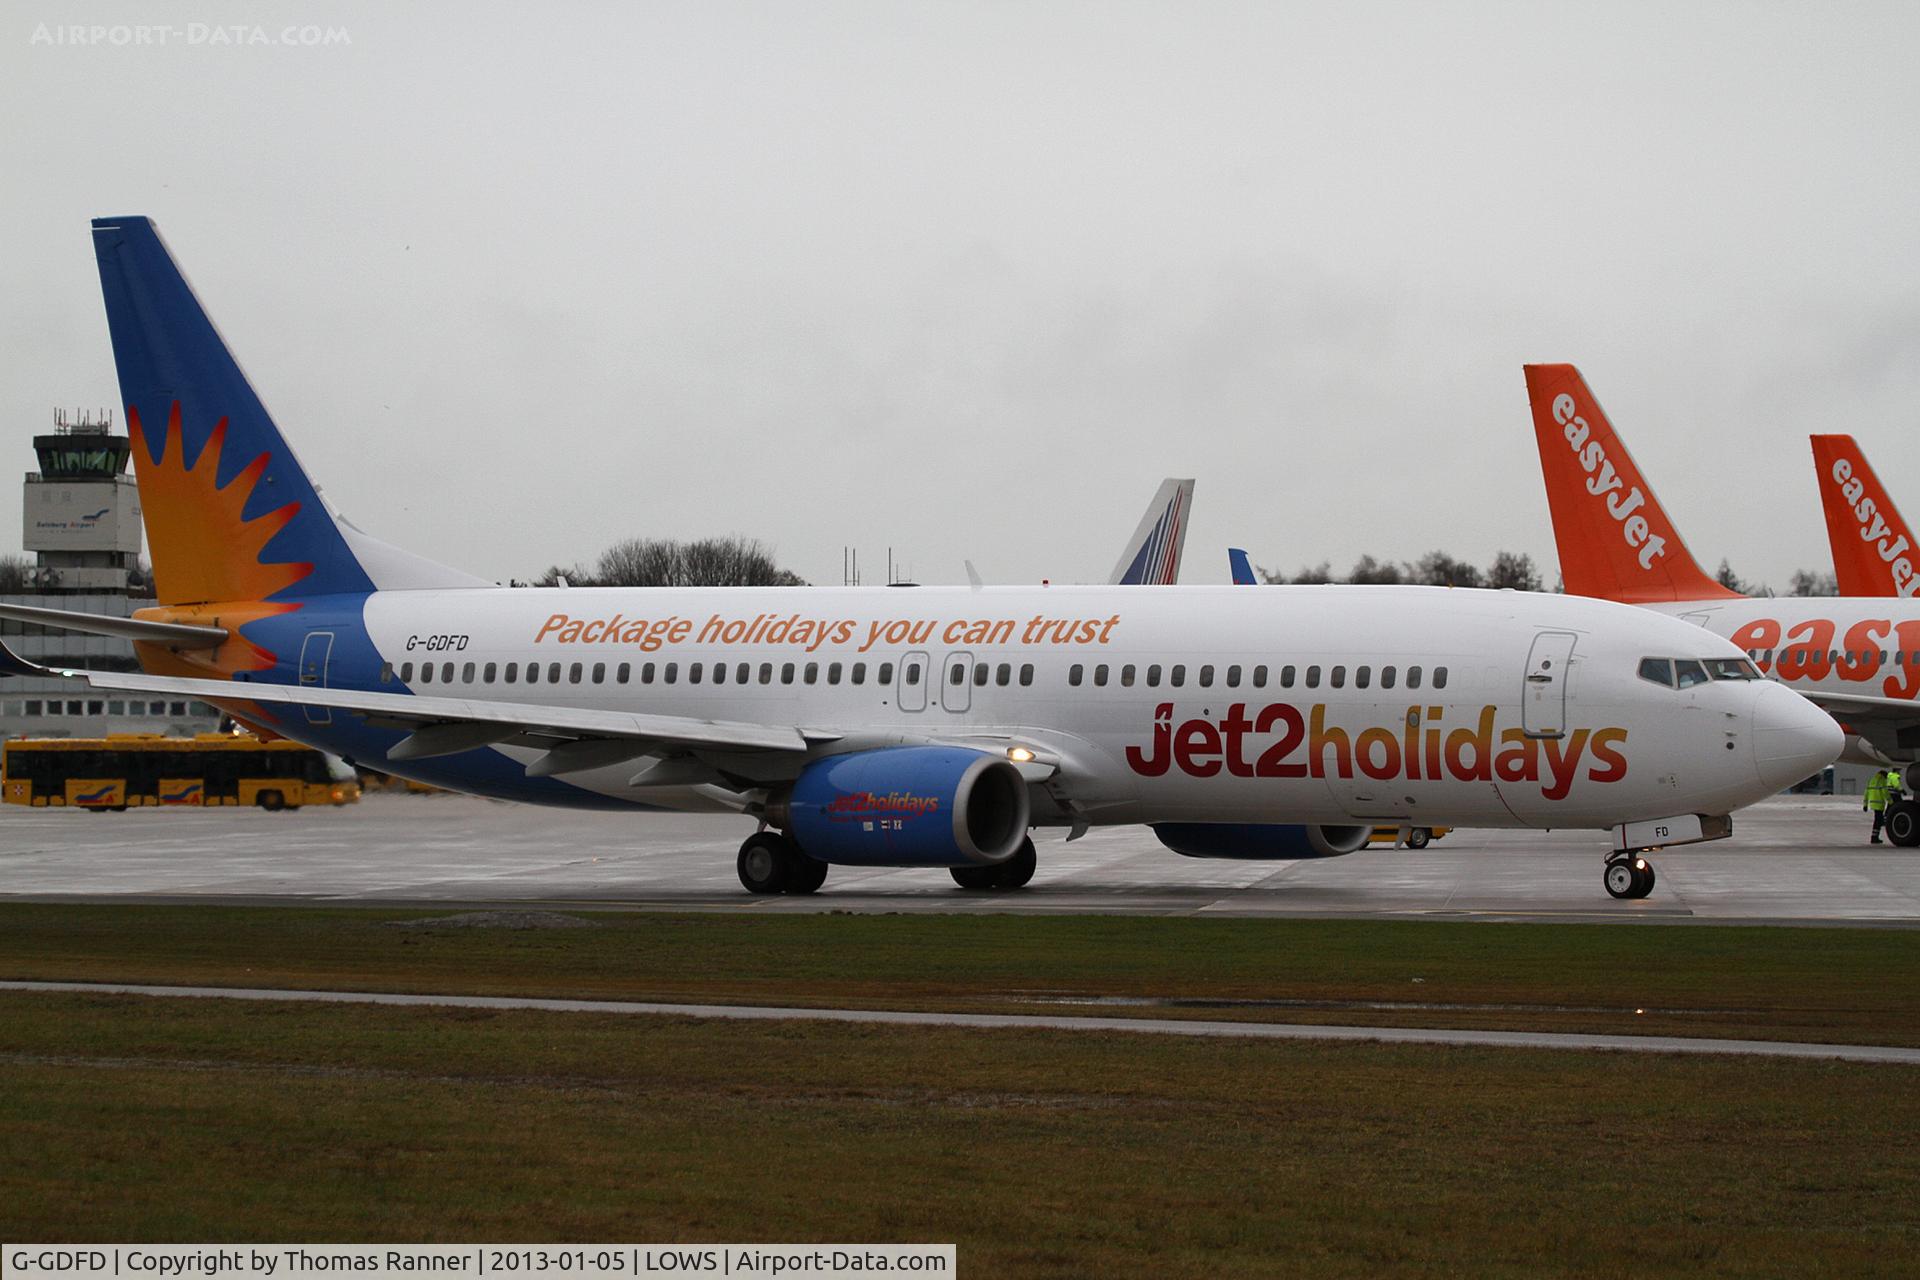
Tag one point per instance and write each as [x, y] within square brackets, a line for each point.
[1628, 875]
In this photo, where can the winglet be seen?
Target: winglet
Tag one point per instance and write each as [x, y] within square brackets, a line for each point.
[1152, 557]
[12, 664]
[1874, 552]
[1241, 568]
[1615, 540]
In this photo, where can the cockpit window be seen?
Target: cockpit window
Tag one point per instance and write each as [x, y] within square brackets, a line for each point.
[1658, 670]
[1732, 669]
[1688, 673]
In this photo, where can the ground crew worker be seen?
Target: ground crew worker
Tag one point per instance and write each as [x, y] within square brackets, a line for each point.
[1881, 787]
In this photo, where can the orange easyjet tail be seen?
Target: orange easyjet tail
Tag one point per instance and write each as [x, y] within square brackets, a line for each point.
[1615, 539]
[1874, 553]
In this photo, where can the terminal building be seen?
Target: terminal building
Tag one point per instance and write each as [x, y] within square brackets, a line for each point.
[81, 523]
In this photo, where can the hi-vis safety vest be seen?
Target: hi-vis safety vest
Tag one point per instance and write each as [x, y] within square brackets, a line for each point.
[1877, 788]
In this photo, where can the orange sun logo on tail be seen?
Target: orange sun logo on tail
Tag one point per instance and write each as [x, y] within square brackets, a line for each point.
[207, 556]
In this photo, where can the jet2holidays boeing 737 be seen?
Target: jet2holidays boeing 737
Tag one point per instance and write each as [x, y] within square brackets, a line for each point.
[928, 727]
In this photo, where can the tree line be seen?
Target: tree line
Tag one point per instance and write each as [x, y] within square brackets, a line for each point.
[1515, 571]
[668, 562]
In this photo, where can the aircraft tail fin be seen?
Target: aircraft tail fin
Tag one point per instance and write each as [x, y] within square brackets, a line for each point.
[1152, 557]
[1616, 542]
[1240, 567]
[231, 515]
[1874, 553]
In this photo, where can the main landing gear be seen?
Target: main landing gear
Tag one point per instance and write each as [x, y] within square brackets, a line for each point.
[771, 863]
[1011, 874]
[1628, 875]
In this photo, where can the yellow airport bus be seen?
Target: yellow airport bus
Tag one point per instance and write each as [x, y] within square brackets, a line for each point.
[137, 769]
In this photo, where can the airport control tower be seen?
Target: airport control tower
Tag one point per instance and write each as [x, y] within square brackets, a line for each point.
[81, 513]
[82, 522]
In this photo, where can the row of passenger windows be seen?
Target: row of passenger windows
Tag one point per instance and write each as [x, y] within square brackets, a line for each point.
[103, 707]
[1898, 658]
[1175, 676]
[982, 673]
[651, 673]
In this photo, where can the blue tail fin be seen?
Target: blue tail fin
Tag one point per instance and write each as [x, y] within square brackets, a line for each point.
[1241, 567]
[1152, 557]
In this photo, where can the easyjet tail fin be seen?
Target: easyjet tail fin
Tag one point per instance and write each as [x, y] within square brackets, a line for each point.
[230, 513]
[1615, 539]
[1874, 553]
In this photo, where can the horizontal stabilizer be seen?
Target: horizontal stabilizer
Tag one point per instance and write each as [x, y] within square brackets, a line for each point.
[172, 635]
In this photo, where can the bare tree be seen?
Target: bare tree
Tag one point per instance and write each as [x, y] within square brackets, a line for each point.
[1309, 574]
[1727, 578]
[574, 577]
[1809, 582]
[1438, 569]
[708, 562]
[16, 575]
[1367, 570]
[1513, 571]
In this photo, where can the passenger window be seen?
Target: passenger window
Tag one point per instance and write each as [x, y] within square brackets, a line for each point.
[670, 673]
[694, 672]
[1362, 677]
[1100, 675]
[859, 673]
[406, 672]
[1003, 674]
[1386, 677]
[1153, 675]
[786, 672]
[513, 672]
[913, 673]
[1206, 677]
[1688, 673]
[1337, 677]
[1126, 675]
[1313, 677]
[386, 673]
[1233, 677]
[766, 673]
[957, 675]
[1075, 673]
[573, 674]
[1259, 677]
[980, 674]
[812, 675]
[1177, 676]
[446, 673]
[743, 673]
[492, 670]
[1439, 677]
[426, 673]
[1026, 674]
[833, 673]
[719, 673]
[884, 676]
[466, 674]
[1658, 670]
[1413, 677]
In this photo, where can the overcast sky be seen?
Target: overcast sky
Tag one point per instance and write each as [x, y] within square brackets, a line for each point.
[969, 279]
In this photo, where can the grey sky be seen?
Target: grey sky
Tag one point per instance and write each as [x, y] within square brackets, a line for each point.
[969, 279]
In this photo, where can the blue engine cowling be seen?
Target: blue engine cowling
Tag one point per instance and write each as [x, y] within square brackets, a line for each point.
[908, 807]
[1258, 841]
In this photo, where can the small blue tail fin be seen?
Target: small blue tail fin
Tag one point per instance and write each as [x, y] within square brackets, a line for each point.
[1241, 568]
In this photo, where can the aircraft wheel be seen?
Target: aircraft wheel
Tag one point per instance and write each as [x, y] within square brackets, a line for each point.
[1903, 823]
[1621, 879]
[271, 801]
[1647, 880]
[973, 877]
[1016, 871]
[766, 862]
[1419, 838]
[807, 874]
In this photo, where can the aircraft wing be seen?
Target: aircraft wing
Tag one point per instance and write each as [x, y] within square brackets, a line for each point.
[575, 738]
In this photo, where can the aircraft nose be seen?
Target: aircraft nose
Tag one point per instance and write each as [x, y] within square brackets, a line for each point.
[1792, 738]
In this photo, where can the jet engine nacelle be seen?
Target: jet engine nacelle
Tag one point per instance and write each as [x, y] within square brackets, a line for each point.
[1259, 842]
[907, 807]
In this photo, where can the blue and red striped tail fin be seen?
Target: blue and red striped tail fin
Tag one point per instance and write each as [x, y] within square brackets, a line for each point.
[1152, 557]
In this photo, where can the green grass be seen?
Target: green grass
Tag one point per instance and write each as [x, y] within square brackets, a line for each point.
[1041, 1154]
[1840, 985]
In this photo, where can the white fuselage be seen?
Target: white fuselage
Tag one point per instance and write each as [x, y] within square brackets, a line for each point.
[1179, 704]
